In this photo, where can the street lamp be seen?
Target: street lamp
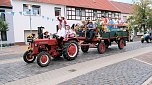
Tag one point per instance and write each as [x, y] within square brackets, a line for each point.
[30, 9]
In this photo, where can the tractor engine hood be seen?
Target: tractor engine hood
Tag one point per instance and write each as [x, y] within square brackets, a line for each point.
[46, 41]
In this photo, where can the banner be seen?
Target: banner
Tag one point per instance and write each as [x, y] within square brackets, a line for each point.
[21, 13]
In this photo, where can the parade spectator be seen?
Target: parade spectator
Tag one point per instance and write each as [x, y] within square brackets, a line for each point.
[62, 21]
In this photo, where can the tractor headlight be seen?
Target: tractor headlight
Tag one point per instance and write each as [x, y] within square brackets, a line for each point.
[36, 45]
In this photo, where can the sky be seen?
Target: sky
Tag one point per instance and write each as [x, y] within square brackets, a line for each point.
[126, 1]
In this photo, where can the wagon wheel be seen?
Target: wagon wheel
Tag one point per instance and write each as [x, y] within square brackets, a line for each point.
[85, 48]
[148, 40]
[70, 50]
[43, 59]
[142, 40]
[28, 58]
[106, 45]
[101, 47]
[121, 44]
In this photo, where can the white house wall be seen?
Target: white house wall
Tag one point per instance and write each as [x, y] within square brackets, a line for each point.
[22, 22]
[127, 15]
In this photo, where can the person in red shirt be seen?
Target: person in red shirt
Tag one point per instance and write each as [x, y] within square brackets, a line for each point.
[62, 21]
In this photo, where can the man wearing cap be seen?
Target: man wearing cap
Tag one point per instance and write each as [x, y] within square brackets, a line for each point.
[46, 34]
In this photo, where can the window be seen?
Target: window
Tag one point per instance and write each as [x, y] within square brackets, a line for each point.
[35, 10]
[71, 13]
[4, 36]
[57, 11]
[94, 13]
[2, 14]
[89, 14]
[83, 12]
[124, 18]
[77, 12]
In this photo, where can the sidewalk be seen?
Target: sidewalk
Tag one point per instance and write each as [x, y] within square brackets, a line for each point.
[124, 63]
[13, 50]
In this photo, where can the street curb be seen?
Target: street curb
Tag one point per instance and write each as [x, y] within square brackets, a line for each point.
[147, 82]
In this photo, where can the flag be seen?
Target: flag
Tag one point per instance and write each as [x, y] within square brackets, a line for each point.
[47, 18]
[12, 13]
[42, 16]
[20, 13]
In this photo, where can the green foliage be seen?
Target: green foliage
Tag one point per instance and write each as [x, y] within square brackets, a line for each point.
[3, 25]
[142, 15]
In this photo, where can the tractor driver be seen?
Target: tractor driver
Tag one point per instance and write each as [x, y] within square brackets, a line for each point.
[60, 35]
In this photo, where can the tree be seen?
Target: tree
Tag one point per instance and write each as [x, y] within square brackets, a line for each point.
[3, 26]
[142, 14]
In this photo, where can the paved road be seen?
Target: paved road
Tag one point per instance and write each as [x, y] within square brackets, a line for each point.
[18, 70]
[129, 72]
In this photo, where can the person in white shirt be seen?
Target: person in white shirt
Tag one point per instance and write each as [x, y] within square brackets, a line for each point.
[115, 22]
[60, 35]
[70, 32]
[61, 32]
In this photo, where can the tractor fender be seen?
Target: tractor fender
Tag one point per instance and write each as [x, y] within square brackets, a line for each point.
[69, 39]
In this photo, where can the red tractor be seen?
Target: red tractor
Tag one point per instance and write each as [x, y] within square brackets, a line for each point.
[44, 50]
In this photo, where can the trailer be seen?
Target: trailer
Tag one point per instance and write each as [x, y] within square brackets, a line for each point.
[104, 41]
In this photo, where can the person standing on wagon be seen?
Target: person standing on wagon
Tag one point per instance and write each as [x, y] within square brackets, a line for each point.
[62, 21]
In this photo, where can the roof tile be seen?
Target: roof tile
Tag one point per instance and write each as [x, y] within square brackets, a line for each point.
[94, 4]
[123, 7]
[5, 3]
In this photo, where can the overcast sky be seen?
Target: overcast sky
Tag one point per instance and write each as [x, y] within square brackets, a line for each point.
[126, 1]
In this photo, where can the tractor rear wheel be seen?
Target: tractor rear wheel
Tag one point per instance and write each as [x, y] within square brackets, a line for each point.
[43, 59]
[70, 50]
[121, 44]
[101, 47]
[28, 58]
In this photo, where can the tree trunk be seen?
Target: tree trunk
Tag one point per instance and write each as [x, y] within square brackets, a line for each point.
[144, 28]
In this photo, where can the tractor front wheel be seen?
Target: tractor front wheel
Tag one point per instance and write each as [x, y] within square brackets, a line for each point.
[28, 58]
[70, 50]
[43, 59]
[101, 47]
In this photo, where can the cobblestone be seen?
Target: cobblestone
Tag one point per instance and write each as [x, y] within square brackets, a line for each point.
[129, 72]
[18, 70]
